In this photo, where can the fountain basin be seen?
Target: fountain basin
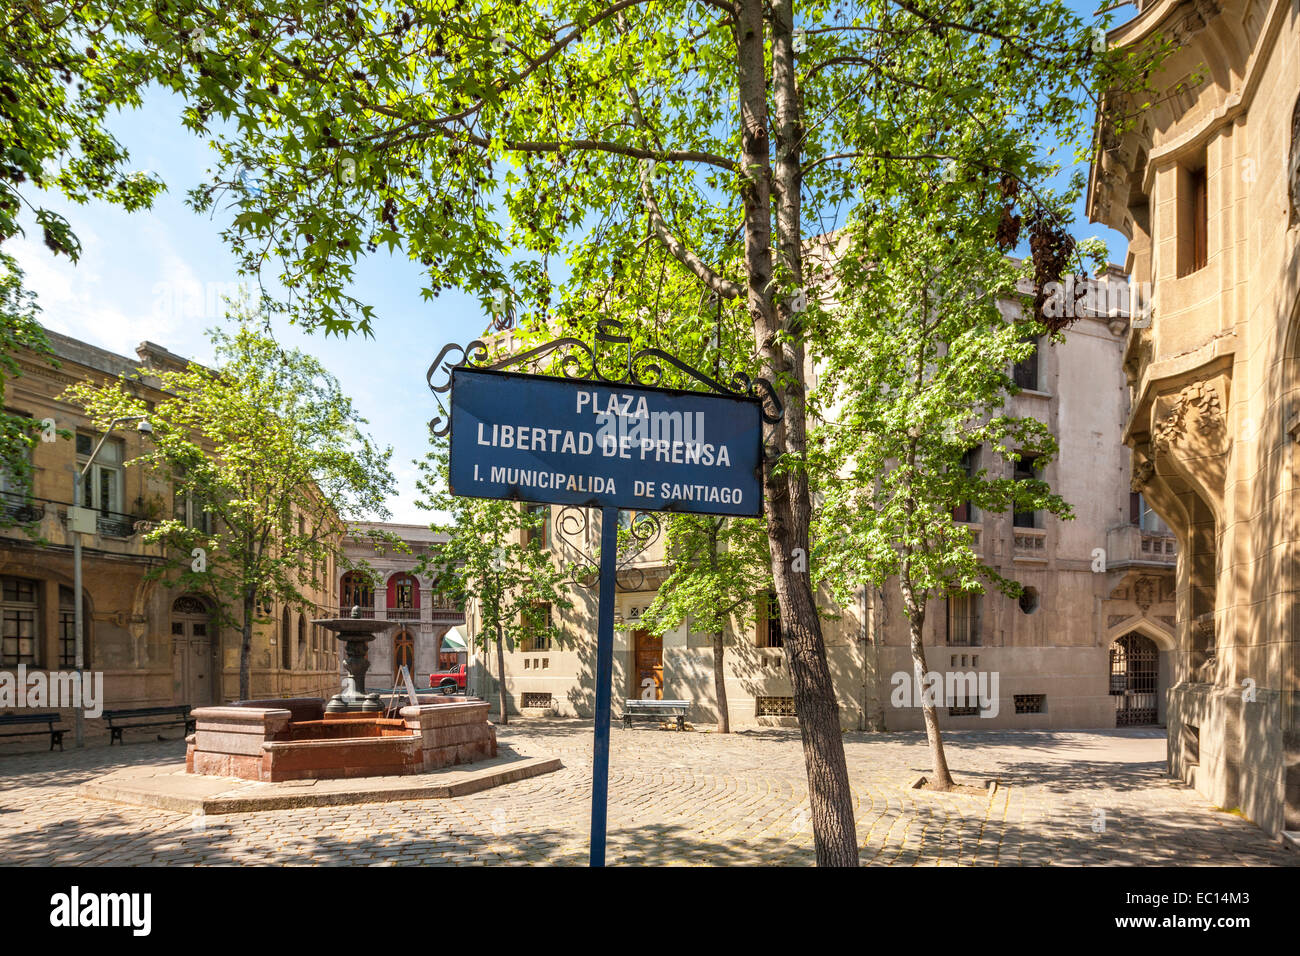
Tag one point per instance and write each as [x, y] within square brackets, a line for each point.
[258, 740]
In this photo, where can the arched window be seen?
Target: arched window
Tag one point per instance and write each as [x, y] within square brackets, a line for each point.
[355, 590]
[403, 597]
[302, 640]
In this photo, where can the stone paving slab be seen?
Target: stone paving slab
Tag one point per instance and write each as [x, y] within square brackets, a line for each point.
[1090, 798]
[171, 788]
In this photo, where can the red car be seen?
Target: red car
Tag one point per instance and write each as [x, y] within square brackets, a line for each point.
[449, 682]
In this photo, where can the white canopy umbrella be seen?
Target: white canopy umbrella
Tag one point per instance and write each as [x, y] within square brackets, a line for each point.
[454, 640]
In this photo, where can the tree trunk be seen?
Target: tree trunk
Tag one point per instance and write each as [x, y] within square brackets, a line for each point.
[720, 684]
[786, 495]
[501, 677]
[942, 778]
[246, 648]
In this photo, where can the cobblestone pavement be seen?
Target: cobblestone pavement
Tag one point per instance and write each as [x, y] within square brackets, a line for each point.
[675, 799]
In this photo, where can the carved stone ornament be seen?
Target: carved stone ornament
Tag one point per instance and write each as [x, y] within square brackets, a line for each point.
[1145, 592]
[1143, 472]
[1199, 397]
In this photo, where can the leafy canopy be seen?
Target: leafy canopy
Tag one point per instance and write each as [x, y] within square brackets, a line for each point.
[64, 70]
[717, 568]
[19, 330]
[487, 140]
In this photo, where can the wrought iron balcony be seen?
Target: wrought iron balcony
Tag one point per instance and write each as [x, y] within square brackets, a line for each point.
[112, 524]
[18, 510]
[115, 525]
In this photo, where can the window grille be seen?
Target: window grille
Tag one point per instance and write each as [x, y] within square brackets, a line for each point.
[774, 707]
[1031, 703]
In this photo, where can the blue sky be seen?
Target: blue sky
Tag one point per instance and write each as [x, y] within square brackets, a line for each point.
[157, 275]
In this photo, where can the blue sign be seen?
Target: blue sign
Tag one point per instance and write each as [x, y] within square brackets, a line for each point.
[559, 441]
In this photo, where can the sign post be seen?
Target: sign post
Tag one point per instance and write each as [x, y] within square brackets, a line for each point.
[595, 441]
[604, 678]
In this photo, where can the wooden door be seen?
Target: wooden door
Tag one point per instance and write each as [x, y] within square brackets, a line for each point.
[200, 670]
[403, 653]
[180, 664]
[649, 666]
[193, 662]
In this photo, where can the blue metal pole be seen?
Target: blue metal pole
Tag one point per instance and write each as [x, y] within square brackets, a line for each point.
[604, 678]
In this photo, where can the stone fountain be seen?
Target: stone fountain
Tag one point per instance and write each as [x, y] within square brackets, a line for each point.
[356, 633]
[352, 735]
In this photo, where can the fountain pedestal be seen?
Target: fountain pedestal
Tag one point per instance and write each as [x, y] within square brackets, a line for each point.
[356, 633]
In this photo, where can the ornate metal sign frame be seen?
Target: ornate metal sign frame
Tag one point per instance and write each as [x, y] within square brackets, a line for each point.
[579, 361]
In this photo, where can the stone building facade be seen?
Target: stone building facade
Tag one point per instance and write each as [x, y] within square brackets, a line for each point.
[386, 587]
[1087, 644]
[1206, 185]
[154, 645]
[1088, 647]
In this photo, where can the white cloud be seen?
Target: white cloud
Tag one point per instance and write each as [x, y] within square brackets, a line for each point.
[76, 300]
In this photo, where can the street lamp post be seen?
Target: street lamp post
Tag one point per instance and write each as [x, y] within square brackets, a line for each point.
[79, 641]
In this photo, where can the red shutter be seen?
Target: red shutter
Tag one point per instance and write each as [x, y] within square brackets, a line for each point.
[392, 591]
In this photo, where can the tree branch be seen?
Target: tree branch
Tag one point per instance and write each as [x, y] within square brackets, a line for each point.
[720, 285]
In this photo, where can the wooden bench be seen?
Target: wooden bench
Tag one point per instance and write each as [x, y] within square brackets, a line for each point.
[656, 710]
[120, 720]
[31, 720]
